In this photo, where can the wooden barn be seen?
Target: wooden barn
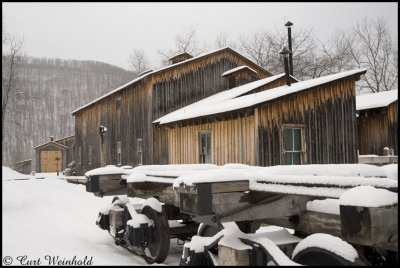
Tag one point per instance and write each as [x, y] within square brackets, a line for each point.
[117, 127]
[55, 155]
[377, 122]
[308, 122]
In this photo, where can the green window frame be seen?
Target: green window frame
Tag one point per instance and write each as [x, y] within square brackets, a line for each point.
[293, 145]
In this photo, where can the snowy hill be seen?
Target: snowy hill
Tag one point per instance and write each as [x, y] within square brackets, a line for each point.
[50, 89]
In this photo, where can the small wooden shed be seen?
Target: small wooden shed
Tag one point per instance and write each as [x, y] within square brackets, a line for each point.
[377, 122]
[54, 155]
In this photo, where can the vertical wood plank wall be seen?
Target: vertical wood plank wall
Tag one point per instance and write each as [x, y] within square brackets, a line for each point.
[232, 141]
[328, 114]
[377, 128]
[70, 143]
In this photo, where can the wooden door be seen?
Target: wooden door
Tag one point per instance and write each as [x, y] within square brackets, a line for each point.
[50, 161]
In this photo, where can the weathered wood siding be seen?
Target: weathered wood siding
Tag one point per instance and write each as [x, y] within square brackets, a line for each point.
[232, 141]
[142, 103]
[125, 124]
[70, 143]
[328, 116]
[377, 128]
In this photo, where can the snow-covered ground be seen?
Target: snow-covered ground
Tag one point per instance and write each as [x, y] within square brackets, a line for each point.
[52, 217]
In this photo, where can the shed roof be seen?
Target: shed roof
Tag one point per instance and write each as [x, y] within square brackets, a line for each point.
[376, 100]
[163, 69]
[229, 102]
[55, 143]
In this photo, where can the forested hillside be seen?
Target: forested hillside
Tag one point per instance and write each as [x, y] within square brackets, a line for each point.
[48, 90]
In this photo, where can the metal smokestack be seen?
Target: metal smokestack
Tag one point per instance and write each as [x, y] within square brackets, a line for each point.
[285, 52]
[289, 25]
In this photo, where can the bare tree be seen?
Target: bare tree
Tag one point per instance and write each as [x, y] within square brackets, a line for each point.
[222, 40]
[372, 47]
[185, 41]
[259, 47]
[334, 55]
[10, 75]
[138, 61]
[3, 32]
[263, 47]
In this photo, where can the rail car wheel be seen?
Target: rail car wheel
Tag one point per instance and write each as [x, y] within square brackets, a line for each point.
[157, 249]
[207, 230]
[320, 257]
[325, 250]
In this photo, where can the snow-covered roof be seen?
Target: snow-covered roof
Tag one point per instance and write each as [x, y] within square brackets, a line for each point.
[145, 72]
[238, 69]
[163, 69]
[376, 100]
[216, 105]
[216, 98]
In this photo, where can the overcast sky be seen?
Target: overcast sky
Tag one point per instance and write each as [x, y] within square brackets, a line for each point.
[109, 32]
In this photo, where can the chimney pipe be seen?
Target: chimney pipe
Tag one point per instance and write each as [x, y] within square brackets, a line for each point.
[289, 25]
[285, 52]
[51, 138]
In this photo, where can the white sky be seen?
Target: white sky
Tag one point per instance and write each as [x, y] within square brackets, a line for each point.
[109, 32]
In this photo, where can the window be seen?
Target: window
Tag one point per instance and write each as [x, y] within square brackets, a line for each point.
[119, 153]
[232, 81]
[139, 151]
[293, 145]
[90, 154]
[205, 147]
[80, 155]
[118, 102]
